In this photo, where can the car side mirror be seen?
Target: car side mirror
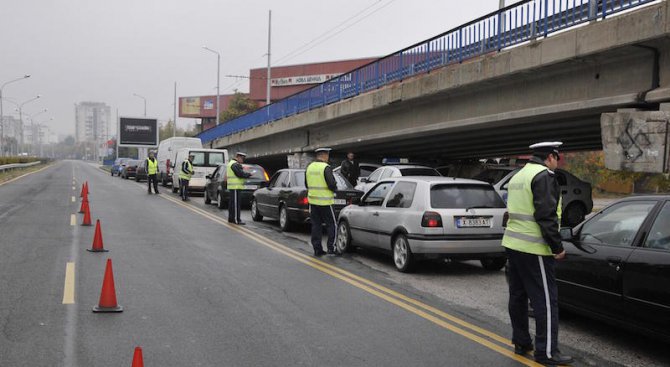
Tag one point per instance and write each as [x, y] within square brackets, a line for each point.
[567, 234]
[209, 177]
[365, 180]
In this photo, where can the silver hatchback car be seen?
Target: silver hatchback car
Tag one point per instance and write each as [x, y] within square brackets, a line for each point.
[427, 217]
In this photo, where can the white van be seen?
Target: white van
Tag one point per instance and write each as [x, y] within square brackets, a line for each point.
[204, 163]
[167, 153]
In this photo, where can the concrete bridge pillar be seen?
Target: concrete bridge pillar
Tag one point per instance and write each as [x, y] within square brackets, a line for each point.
[299, 160]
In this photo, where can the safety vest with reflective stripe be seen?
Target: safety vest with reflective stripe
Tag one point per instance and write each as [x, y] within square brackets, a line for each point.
[318, 192]
[152, 166]
[234, 182]
[183, 175]
[523, 233]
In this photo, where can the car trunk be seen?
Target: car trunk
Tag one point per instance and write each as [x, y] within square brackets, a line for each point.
[469, 210]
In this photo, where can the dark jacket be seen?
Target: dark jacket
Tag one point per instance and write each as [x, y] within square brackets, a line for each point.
[330, 179]
[184, 168]
[546, 195]
[350, 171]
[238, 170]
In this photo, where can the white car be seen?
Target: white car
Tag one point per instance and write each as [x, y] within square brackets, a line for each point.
[394, 171]
[205, 161]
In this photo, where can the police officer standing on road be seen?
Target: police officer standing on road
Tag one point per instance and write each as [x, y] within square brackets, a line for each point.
[321, 187]
[185, 176]
[350, 169]
[235, 177]
[533, 245]
[152, 171]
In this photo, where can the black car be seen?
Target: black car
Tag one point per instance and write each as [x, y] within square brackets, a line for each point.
[217, 183]
[285, 198]
[130, 169]
[141, 171]
[617, 266]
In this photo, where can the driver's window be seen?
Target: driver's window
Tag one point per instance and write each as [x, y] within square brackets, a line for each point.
[378, 194]
[659, 235]
[616, 225]
[375, 175]
[275, 179]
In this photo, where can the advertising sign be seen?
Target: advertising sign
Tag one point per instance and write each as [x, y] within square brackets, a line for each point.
[190, 106]
[303, 79]
[138, 132]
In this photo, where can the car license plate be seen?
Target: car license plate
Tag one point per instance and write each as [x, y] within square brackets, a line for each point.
[250, 187]
[340, 202]
[464, 222]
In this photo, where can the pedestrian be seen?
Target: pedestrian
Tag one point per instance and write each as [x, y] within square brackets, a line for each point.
[321, 187]
[185, 176]
[152, 172]
[533, 245]
[235, 177]
[350, 169]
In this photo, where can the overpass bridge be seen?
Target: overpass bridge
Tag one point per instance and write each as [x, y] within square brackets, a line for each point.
[536, 70]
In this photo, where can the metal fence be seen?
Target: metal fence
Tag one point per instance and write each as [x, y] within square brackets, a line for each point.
[7, 167]
[513, 25]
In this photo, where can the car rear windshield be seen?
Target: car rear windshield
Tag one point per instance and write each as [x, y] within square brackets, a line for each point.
[342, 183]
[257, 173]
[419, 172]
[492, 176]
[463, 196]
[207, 159]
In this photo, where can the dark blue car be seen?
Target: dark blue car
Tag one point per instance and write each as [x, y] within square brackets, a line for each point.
[118, 165]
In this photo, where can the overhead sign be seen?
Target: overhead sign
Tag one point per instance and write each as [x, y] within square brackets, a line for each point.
[189, 106]
[303, 79]
[138, 132]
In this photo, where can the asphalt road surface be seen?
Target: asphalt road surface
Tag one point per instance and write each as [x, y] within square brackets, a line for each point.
[199, 292]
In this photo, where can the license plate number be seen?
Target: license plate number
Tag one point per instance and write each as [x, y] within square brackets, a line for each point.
[473, 222]
[250, 187]
[340, 202]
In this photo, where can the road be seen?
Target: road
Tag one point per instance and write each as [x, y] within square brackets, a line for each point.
[199, 292]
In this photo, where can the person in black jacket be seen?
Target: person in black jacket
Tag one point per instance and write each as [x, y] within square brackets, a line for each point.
[350, 169]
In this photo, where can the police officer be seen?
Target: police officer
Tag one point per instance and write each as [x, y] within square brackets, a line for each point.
[321, 187]
[185, 176]
[235, 177]
[152, 171]
[533, 245]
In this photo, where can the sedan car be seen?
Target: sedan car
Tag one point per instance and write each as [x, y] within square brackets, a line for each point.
[129, 168]
[285, 198]
[118, 166]
[395, 171]
[216, 188]
[427, 217]
[576, 194]
[617, 267]
[141, 171]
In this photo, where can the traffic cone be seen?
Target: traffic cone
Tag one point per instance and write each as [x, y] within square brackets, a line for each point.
[86, 188]
[87, 216]
[83, 188]
[137, 358]
[84, 204]
[97, 239]
[107, 301]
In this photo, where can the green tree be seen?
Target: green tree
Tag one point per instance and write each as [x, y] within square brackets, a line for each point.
[166, 131]
[240, 104]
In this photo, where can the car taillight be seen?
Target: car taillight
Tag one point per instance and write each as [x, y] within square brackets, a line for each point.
[505, 219]
[304, 201]
[167, 166]
[431, 220]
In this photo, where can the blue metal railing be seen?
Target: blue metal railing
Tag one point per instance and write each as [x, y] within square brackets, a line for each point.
[515, 24]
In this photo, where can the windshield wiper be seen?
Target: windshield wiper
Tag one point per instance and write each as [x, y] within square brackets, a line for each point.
[479, 207]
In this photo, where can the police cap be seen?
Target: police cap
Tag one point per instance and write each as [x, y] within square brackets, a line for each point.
[241, 154]
[322, 150]
[546, 147]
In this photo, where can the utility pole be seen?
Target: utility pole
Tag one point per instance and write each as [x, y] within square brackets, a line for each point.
[269, 81]
[174, 112]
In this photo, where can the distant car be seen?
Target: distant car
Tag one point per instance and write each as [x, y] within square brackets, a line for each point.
[365, 170]
[216, 188]
[576, 194]
[617, 266]
[390, 171]
[285, 198]
[129, 168]
[118, 165]
[141, 172]
[427, 217]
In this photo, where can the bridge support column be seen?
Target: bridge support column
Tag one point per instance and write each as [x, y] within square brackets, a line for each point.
[299, 160]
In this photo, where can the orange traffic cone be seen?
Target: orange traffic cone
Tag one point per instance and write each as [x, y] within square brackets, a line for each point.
[97, 239]
[87, 216]
[84, 204]
[107, 301]
[83, 187]
[137, 358]
[86, 188]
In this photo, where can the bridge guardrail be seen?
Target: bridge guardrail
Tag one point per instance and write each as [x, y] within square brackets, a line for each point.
[518, 23]
[18, 165]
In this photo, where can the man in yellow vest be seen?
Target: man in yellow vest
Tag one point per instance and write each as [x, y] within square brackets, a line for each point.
[235, 178]
[533, 245]
[185, 175]
[152, 172]
[321, 187]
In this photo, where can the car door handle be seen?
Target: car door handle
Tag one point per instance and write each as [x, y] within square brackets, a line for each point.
[376, 214]
[615, 262]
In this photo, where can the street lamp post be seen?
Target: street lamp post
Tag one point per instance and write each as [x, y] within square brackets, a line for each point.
[218, 72]
[39, 136]
[21, 118]
[32, 126]
[2, 120]
[145, 103]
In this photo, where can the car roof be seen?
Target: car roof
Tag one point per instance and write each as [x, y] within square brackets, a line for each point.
[404, 166]
[641, 196]
[437, 180]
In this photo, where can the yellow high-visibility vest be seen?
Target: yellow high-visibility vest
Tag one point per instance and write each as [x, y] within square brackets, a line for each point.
[186, 176]
[152, 166]
[318, 192]
[234, 182]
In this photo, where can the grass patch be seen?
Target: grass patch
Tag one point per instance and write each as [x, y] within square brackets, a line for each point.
[14, 173]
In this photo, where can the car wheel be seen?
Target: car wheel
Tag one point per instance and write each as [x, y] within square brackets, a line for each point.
[573, 215]
[137, 179]
[112, 172]
[493, 263]
[402, 254]
[164, 182]
[284, 222]
[255, 214]
[219, 201]
[207, 199]
[343, 239]
[175, 189]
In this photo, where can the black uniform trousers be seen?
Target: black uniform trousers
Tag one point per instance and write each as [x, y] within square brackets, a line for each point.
[152, 178]
[234, 207]
[319, 215]
[183, 188]
[533, 277]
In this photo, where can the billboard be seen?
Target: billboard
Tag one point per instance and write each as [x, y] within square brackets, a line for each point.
[189, 106]
[138, 132]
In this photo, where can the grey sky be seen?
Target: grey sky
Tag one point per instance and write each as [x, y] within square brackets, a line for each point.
[95, 50]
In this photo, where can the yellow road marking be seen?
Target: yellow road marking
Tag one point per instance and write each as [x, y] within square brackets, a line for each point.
[402, 301]
[73, 220]
[27, 174]
[73, 199]
[68, 289]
